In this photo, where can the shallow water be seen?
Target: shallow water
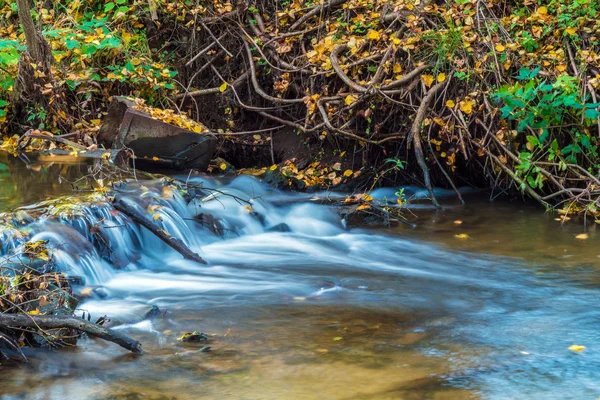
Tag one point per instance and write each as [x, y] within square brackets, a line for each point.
[323, 311]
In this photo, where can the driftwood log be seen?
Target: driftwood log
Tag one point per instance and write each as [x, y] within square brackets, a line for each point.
[47, 322]
[173, 242]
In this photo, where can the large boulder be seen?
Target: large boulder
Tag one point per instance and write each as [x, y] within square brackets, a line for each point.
[152, 140]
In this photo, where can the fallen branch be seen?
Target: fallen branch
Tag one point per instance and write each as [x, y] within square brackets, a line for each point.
[47, 322]
[175, 243]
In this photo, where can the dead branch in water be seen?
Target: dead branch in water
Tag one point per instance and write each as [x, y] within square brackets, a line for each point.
[173, 242]
[47, 322]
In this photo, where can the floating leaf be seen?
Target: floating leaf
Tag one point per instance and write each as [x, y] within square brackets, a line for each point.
[462, 236]
[576, 348]
[582, 236]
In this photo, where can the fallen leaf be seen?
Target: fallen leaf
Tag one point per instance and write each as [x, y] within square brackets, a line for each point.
[576, 348]
[337, 339]
[500, 48]
[373, 35]
[462, 236]
[350, 99]
[582, 236]
[428, 80]
[466, 106]
[223, 87]
[571, 31]
[441, 77]
[457, 222]
[450, 104]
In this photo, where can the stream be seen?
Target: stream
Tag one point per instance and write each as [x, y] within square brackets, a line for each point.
[299, 306]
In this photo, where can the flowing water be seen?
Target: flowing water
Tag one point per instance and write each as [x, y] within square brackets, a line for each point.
[299, 306]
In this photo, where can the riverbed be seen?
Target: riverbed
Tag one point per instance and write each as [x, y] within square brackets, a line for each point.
[476, 301]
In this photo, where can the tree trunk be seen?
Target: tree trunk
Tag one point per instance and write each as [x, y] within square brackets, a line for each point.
[37, 47]
[35, 87]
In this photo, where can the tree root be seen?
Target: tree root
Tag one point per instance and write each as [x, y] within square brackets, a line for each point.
[416, 138]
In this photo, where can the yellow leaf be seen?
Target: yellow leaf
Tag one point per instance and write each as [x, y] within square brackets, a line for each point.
[73, 153]
[576, 348]
[543, 10]
[397, 68]
[223, 166]
[582, 236]
[223, 87]
[450, 104]
[367, 197]
[350, 99]
[466, 106]
[458, 222]
[136, 61]
[273, 167]
[561, 68]
[155, 159]
[348, 173]
[156, 216]
[500, 48]
[373, 35]
[462, 236]
[441, 77]
[428, 79]
[571, 31]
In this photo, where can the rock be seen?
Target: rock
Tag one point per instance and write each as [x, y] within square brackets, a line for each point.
[283, 227]
[221, 166]
[276, 179]
[154, 142]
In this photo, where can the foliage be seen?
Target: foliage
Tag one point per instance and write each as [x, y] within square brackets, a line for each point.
[523, 78]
